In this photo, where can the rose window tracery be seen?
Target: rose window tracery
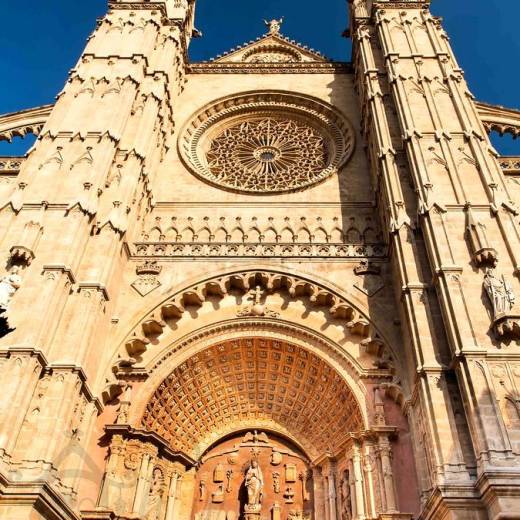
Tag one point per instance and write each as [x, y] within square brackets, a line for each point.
[268, 154]
[266, 142]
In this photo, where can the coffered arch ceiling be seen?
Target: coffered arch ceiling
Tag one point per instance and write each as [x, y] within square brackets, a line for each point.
[254, 382]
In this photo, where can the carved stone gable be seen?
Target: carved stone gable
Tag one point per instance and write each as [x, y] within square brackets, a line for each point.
[271, 48]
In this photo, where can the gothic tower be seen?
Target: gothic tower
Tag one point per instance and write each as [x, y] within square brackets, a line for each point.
[267, 286]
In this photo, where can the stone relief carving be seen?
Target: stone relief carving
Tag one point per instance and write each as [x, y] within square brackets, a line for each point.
[229, 477]
[276, 458]
[257, 309]
[148, 278]
[289, 495]
[271, 54]
[218, 496]
[218, 473]
[9, 284]
[276, 482]
[299, 515]
[202, 489]
[371, 281]
[290, 473]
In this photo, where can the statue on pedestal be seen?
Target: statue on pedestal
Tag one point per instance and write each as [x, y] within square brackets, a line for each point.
[9, 284]
[500, 293]
[254, 483]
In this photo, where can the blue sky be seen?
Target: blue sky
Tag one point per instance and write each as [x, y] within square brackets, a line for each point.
[41, 41]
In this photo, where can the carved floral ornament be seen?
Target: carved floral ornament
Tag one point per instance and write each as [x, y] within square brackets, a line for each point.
[266, 142]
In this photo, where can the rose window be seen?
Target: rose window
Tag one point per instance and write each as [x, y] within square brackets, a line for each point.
[268, 155]
[266, 143]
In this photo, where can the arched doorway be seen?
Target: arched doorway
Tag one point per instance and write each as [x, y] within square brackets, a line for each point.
[228, 474]
[253, 382]
[253, 406]
[293, 406]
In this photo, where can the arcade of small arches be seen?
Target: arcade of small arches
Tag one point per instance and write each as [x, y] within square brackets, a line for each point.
[192, 421]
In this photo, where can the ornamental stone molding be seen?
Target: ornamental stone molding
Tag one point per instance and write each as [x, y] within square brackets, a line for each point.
[24, 122]
[499, 119]
[173, 308]
[266, 142]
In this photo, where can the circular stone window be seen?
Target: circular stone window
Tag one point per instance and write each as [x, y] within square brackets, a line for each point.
[266, 143]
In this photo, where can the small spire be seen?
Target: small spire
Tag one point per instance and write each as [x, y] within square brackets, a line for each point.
[274, 25]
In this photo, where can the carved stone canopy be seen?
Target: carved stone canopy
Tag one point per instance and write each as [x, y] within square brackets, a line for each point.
[255, 380]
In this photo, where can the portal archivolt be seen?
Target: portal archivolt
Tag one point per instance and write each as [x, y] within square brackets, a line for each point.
[253, 382]
[243, 296]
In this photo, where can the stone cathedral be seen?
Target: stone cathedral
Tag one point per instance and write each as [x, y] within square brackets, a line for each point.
[264, 287]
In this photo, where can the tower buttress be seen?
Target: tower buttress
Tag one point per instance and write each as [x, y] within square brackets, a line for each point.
[431, 161]
[85, 185]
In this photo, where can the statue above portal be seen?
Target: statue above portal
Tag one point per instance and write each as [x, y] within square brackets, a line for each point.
[254, 483]
[274, 25]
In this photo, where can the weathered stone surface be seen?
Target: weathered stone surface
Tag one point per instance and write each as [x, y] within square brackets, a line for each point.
[267, 258]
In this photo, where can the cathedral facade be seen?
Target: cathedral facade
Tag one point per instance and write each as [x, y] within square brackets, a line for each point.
[264, 287]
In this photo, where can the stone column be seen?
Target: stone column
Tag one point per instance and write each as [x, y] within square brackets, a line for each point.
[171, 511]
[388, 477]
[369, 468]
[358, 482]
[405, 183]
[141, 489]
[86, 174]
[331, 493]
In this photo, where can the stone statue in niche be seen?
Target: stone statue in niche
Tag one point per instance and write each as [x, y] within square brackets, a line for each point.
[254, 483]
[500, 293]
[155, 496]
[9, 284]
[346, 501]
